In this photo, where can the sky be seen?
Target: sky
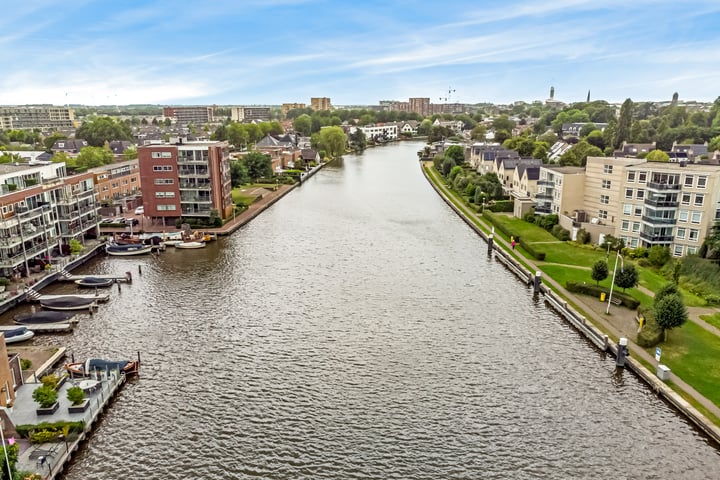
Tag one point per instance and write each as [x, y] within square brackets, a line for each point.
[268, 52]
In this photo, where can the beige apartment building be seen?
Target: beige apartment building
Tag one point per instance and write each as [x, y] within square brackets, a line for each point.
[286, 107]
[644, 203]
[320, 103]
[560, 190]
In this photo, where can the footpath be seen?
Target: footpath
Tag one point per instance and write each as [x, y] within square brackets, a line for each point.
[621, 322]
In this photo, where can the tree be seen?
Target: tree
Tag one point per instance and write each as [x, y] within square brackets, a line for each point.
[303, 124]
[669, 288]
[457, 153]
[130, 153]
[333, 140]
[658, 255]
[478, 132]
[577, 155]
[238, 173]
[657, 156]
[502, 122]
[624, 123]
[357, 139]
[258, 165]
[627, 277]
[599, 271]
[99, 130]
[50, 141]
[670, 312]
[447, 166]
[91, 157]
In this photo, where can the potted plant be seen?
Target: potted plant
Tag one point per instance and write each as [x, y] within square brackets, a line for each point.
[4, 283]
[76, 396]
[46, 396]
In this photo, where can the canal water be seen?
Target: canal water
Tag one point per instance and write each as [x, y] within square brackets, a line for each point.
[357, 330]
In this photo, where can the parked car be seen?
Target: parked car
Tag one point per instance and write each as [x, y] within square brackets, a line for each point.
[131, 221]
[140, 210]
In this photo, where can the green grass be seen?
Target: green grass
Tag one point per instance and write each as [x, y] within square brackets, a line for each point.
[652, 280]
[713, 319]
[693, 354]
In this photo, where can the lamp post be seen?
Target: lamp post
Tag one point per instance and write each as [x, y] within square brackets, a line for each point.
[617, 257]
[2, 437]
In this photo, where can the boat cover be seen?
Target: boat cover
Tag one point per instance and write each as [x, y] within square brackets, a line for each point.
[92, 364]
[14, 332]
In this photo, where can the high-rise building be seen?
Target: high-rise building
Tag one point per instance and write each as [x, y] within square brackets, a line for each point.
[320, 103]
[241, 114]
[36, 116]
[286, 107]
[190, 115]
[186, 179]
[420, 105]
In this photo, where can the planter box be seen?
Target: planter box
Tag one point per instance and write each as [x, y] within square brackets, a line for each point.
[79, 408]
[49, 410]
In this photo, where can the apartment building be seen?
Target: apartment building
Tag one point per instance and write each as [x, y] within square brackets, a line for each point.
[41, 211]
[242, 114]
[420, 105]
[380, 132]
[116, 181]
[45, 117]
[560, 190]
[186, 179]
[320, 103]
[286, 107]
[197, 115]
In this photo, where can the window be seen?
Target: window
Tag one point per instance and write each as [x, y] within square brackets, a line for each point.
[636, 227]
[602, 214]
[699, 199]
[694, 233]
[162, 168]
[640, 194]
[696, 217]
[629, 193]
[625, 225]
[604, 199]
[688, 180]
[685, 199]
[638, 211]
[164, 181]
[691, 250]
[627, 209]
[166, 207]
[164, 194]
[606, 184]
[161, 155]
[642, 177]
[702, 182]
[633, 243]
[607, 169]
[105, 188]
[681, 233]
[683, 216]
[678, 250]
[631, 177]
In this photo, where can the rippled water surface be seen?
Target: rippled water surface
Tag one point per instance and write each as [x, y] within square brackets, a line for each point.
[357, 330]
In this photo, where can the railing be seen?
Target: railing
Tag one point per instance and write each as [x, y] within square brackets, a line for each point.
[543, 209]
[663, 186]
[196, 211]
[662, 203]
[656, 238]
[547, 196]
[659, 220]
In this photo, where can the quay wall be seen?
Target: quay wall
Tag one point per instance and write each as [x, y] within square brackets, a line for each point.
[580, 323]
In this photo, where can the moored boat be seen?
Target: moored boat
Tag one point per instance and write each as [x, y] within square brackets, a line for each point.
[128, 250]
[91, 282]
[19, 334]
[68, 303]
[43, 317]
[190, 245]
[86, 368]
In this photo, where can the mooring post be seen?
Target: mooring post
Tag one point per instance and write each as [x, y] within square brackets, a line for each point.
[622, 352]
[538, 281]
[140, 269]
[490, 243]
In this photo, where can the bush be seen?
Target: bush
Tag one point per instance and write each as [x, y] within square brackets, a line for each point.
[501, 206]
[712, 299]
[592, 290]
[43, 436]
[25, 430]
[45, 396]
[50, 381]
[658, 255]
[560, 233]
[582, 237]
[538, 255]
[640, 252]
[25, 363]
[651, 333]
[529, 217]
[75, 395]
[549, 221]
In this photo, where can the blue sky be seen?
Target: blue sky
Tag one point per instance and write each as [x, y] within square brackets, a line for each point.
[248, 52]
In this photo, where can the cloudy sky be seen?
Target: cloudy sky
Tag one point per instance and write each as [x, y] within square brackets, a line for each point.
[247, 52]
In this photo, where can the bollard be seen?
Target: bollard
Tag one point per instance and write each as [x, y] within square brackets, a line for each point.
[119, 287]
[140, 269]
[538, 281]
[622, 352]
[490, 243]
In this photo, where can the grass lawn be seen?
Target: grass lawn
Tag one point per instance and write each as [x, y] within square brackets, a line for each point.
[243, 195]
[652, 280]
[693, 354]
[713, 319]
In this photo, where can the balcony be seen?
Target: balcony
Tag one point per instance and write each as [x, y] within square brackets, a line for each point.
[547, 183]
[656, 238]
[545, 196]
[198, 212]
[543, 209]
[659, 220]
[662, 203]
[664, 186]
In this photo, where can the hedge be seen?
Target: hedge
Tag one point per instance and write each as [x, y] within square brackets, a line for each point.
[595, 291]
[537, 255]
[56, 428]
[501, 206]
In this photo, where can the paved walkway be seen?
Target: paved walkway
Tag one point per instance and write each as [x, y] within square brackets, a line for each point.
[620, 322]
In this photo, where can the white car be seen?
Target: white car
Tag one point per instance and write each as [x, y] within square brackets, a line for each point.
[140, 210]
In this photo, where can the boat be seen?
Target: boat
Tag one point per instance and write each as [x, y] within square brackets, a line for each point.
[43, 317]
[94, 282]
[172, 243]
[190, 245]
[86, 368]
[128, 249]
[19, 334]
[68, 303]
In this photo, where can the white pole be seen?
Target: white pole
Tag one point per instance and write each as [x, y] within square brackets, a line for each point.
[612, 284]
[2, 436]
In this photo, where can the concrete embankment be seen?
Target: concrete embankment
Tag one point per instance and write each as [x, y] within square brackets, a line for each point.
[581, 323]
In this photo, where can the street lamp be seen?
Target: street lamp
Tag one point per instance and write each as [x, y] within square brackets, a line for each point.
[618, 256]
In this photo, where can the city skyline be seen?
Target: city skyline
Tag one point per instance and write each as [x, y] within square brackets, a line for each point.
[275, 51]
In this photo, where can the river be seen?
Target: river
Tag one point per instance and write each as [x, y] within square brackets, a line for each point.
[357, 330]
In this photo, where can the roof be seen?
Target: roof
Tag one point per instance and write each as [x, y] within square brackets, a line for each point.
[565, 169]
[533, 173]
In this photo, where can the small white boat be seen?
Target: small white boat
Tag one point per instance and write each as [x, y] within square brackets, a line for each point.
[190, 245]
[19, 334]
[172, 243]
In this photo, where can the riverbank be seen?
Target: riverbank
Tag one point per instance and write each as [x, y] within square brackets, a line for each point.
[601, 328]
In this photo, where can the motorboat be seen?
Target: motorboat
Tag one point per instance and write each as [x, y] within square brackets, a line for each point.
[42, 317]
[129, 249]
[68, 303]
[86, 368]
[172, 243]
[190, 245]
[19, 334]
[94, 282]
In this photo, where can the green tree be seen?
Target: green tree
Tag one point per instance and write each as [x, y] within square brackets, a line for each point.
[303, 124]
[91, 157]
[502, 122]
[333, 140]
[130, 153]
[50, 140]
[627, 277]
[624, 123]
[357, 139]
[669, 288]
[577, 155]
[670, 312]
[457, 153]
[596, 139]
[238, 173]
[258, 165]
[657, 156]
[658, 255]
[447, 166]
[425, 127]
[12, 452]
[237, 135]
[99, 130]
[478, 133]
[599, 271]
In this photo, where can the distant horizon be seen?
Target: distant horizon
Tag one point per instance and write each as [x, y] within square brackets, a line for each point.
[269, 52]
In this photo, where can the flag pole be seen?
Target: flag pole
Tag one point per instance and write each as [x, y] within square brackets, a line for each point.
[607, 312]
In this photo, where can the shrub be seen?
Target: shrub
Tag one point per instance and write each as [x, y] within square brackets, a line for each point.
[25, 363]
[538, 255]
[4, 282]
[640, 252]
[549, 221]
[43, 436]
[45, 396]
[529, 217]
[560, 233]
[658, 255]
[25, 430]
[582, 237]
[585, 289]
[50, 381]
[712, 299]
[501, 206]
[75, 395]
[651, 333]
